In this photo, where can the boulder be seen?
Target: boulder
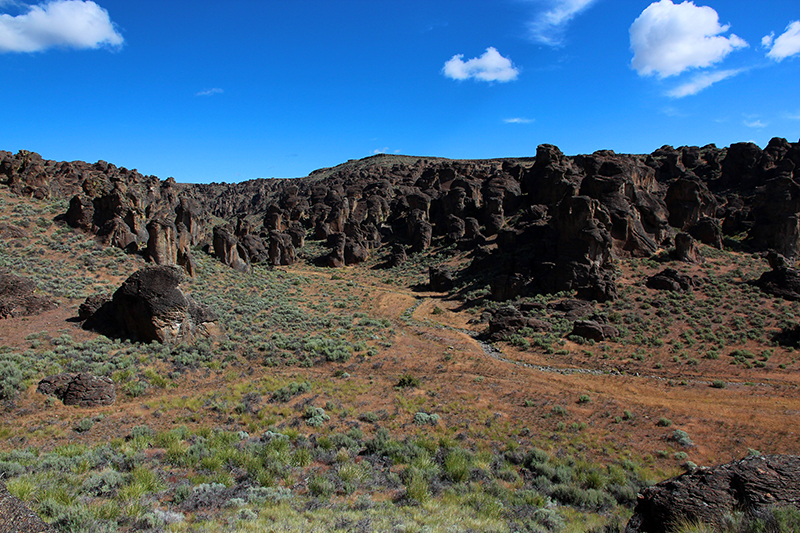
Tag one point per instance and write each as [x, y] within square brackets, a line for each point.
[336, 242]
[18, 297]
[92, 304]
[355, 252]
[708, 495]
[81, 212]
[254, 246]
[589, 329]
[782, 280]
[149, 306]
[441, 278]
[10, 231]
[83, 390]
[508, 320]
[670, 279]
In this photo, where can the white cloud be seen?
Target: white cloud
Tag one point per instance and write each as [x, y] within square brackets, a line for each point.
[754, 124]
[491, 66]
[518, 120]
[700, 82]
[549, 25]
[667, 39]
[209, 92]
[67, 23]
[767, 40]
[787, 44]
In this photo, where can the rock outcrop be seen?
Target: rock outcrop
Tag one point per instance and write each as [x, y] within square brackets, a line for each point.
[18, 297]
[558, 221]
[707, 495]
[83, 390]
[149, 306]
[782, 280]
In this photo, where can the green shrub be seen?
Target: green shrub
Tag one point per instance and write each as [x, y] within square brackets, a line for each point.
[10, 380]
[457, 465]
[284, 394]
[408, 381]
[315, 416]
[422, 418]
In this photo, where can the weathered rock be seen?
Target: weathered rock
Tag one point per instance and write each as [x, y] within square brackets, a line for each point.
[92, 304]
[782, 280]
[686, 249]
[508, 320]
[708, 231]
[55, 385]
[83, 390]
[708, 495]
[18, 297]
[552, 178]
[355, 252]
[507, 287]
[589, 329]
[255, 248]
[441, 278]
[397, 256]
[162, 244]
[81, 212]
[670, 279]
[17, 517]
[10, 231]
[572, 308]
[149, 306]
[228, 249]
[336, 242]
[688, 200]
[776, 214]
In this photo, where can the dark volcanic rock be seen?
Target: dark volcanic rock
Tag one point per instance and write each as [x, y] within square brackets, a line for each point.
[92, 304]
[688, 200]
[508, 320]
[18, 298]
[16, 517]
[589, 329]
[228, 249]
[708, 231]
[686, 249]
[83, 390]
[441, 278]
[671, 280]
[782, 280]
[10, 231]
[708, 495]
[149, 306]
[162, 245]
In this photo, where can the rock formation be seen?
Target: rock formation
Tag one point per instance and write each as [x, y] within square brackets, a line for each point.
[558, 221]
[18, 297]
[149, 306]
[707, 495]
[83, 390]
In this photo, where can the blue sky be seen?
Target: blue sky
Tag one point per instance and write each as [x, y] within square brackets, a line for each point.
[227, 91]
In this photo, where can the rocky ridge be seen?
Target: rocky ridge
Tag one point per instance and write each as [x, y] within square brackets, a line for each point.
[552, 223]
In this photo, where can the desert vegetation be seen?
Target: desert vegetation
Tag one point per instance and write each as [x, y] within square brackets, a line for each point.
[357, 399]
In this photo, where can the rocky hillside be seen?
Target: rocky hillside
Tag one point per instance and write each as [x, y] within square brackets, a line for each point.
[564, 217]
